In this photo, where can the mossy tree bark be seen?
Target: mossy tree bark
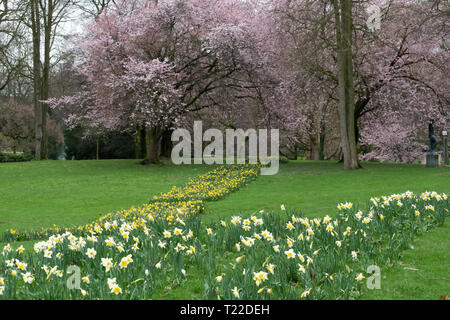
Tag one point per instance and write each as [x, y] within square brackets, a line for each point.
[152, 139]
[344, 25]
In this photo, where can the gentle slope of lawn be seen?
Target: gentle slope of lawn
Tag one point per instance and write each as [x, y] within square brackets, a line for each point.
[422, 273]
[39, 194]
[317, 187]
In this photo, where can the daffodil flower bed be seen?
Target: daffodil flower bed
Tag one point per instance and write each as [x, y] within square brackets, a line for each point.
[213, 185]
[158, 210]
[185, 201]
[279, 255]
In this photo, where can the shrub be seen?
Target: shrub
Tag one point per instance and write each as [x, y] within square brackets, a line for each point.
[15, 157]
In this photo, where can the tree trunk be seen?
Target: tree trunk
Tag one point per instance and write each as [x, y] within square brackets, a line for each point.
[138, 139]
[343, 17]
[96, 154]
[322, 132]
[48, 23]
[322, 145]
[152, 139]
[166, 143]
[295, 154]
[315, 150]
[36, 31]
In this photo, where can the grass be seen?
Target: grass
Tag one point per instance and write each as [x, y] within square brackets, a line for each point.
[422, 273]
[316, 187]
[40, 194]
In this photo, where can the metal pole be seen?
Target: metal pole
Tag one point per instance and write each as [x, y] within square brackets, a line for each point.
[445, 146]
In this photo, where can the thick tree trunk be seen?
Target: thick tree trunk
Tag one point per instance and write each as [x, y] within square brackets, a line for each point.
[315, 150]
[37, 94]
[322, 145]
[48, 23]
[295, 153]
[152, 139]
[166, 143]
[138, 139]
[343, 16]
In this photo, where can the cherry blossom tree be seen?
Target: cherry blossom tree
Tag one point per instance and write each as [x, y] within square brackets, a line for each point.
[405, 61]
[148, 63]
[156, 65]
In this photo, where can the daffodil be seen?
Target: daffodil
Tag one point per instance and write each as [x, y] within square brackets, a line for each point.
[290, 226]
[125, 261]
[305, 293]
[271, 268]
[91, 253]
[48, 254]
[21, 265]
[330, 228]
[27, 277]
[7, 248]
[366, 220]
[290, 254]
[301, 268]
[107, 263]
[259, 277]
[110, 242]
[235, 292]
[116, 290]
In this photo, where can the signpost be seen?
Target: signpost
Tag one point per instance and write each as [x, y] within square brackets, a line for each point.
[445, 146]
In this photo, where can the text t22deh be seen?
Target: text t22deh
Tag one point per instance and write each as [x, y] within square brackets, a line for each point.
[226, 309]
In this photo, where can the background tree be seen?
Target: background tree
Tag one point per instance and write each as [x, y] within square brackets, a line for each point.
[45, 18]
[148, 64]
[17, 128]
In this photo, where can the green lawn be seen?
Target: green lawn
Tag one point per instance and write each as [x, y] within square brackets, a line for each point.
[422, 273]
[40, 194]
[316, 187]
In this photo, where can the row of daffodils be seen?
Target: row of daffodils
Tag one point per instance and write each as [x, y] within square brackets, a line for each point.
[212, 185]
[277, 255]
[180, 202]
